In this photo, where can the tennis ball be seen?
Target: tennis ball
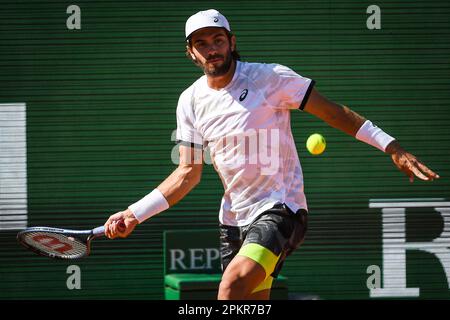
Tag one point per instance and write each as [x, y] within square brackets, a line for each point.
[316, 144]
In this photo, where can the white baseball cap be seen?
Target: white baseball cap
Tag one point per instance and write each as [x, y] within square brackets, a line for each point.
[203, 19]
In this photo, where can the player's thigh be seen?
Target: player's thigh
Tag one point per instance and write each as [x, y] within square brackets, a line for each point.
[243, 272]
[238, 271]
[266, 240]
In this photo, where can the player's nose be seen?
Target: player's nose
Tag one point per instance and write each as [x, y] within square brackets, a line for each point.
[212, 50]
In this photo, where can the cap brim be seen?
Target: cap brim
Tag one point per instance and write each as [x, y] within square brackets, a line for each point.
[217, 27]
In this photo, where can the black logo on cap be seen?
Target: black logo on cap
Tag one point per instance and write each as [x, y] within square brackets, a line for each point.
[216, 19]
[243, 95]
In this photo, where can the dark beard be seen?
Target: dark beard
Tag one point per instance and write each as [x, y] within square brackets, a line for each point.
[221, 70]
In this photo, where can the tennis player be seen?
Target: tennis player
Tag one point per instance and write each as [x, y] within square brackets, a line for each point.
[241, 111]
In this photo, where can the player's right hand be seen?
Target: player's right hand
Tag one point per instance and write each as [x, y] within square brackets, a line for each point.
[120, 224]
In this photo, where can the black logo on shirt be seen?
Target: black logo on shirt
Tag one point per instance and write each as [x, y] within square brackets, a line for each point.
[243, 95]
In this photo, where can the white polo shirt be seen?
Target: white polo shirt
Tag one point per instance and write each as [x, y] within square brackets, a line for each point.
[246, 126]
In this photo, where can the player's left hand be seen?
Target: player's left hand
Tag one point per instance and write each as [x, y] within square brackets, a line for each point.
[409, 164]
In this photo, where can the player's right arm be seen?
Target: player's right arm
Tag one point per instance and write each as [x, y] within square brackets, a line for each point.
[184, 178]
[174, 188]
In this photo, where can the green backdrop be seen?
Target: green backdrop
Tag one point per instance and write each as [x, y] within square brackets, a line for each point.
[101, 112]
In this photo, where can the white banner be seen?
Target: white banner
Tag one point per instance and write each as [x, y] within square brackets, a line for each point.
[13, 166]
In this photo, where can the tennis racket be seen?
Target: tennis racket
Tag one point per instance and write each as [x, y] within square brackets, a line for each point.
[60, 243]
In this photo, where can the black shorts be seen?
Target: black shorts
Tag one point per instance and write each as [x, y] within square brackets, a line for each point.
[278, 229]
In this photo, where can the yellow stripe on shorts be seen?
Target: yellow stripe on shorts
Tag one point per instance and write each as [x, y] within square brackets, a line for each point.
[266, 258]
[266, 284]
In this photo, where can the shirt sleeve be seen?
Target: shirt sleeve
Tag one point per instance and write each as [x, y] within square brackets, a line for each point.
[187, 134]
[287, 89]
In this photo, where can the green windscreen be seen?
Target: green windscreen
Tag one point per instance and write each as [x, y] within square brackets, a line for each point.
[87, 120]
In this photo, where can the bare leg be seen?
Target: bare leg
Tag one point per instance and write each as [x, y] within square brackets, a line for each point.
[240, 278]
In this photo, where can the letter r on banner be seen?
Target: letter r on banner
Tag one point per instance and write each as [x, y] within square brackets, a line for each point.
[395, 245]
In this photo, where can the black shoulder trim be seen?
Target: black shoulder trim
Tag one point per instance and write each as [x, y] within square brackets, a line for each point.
[306, 97]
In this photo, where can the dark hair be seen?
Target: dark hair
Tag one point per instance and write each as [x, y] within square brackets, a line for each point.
[234, 54]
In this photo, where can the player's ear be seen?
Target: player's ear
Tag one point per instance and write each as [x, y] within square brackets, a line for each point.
[189, 51]
[233, 42]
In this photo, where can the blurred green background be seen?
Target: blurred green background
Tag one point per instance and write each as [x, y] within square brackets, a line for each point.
[101, 112]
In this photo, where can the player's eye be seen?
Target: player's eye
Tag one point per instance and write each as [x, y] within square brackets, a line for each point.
[219, 41]
[200, 44]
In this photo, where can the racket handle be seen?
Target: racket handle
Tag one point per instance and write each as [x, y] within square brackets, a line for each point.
[99, 231]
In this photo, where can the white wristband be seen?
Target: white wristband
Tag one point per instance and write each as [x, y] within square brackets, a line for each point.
[150, 205]
[371, 134]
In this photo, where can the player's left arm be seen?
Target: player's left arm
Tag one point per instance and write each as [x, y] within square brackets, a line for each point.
[350, 122]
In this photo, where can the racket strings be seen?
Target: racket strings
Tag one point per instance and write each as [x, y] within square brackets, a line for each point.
[54, 244]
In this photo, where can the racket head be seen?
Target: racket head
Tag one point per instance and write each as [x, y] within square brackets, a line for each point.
[56, 243]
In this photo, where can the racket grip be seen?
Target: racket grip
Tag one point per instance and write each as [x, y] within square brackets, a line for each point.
[98, 231]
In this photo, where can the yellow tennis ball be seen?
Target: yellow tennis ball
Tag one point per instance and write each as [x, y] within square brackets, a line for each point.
[316, 144]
